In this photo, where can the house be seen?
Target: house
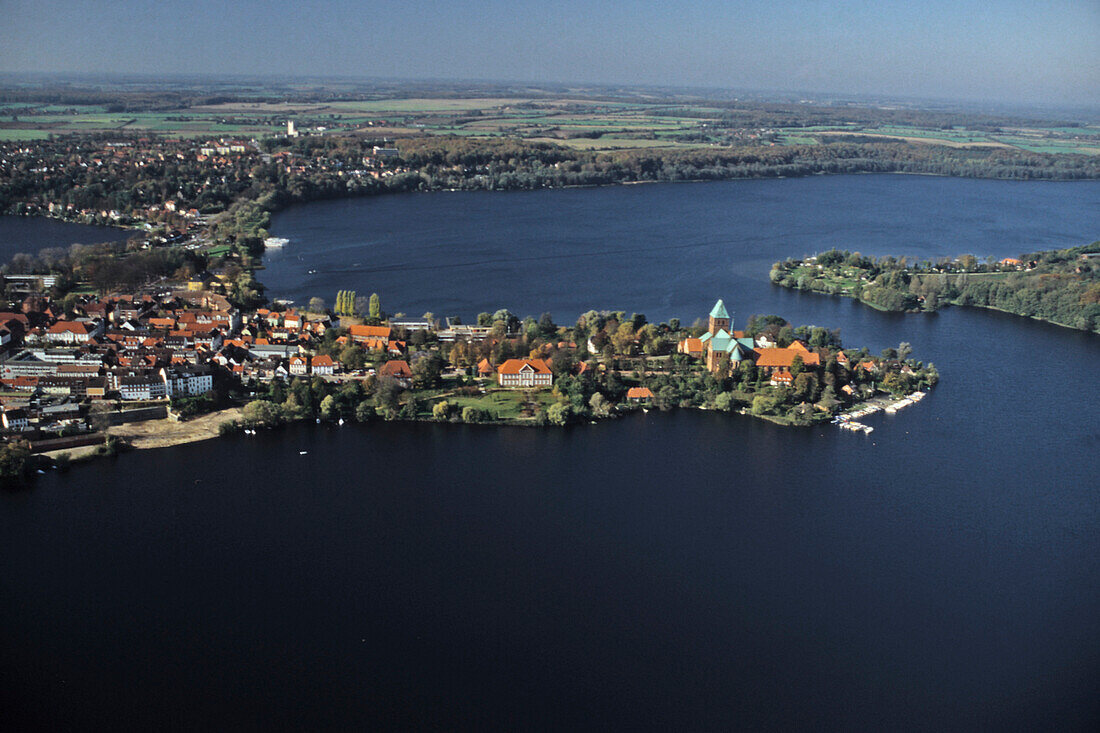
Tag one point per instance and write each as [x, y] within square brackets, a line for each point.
[692, 347]
[639, 395]
[371, 336]
[142, 387]
[779, 359]
[324, 364]
[72, 332]
[524, 373]
[484, 368]
[782, 378]
[187, 380]
[397, 369]
[299, 365]
[15, 419]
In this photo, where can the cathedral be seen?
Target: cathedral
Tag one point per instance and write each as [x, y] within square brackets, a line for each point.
[719, 341]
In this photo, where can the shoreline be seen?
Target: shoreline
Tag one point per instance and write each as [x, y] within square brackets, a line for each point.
[150, 434]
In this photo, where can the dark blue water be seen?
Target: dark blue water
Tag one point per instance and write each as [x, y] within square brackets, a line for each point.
[664, 250]
[683, 570]
[30, 235]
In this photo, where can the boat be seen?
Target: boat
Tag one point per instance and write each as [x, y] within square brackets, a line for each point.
[302, 452]
[340, 421]
[275, 242]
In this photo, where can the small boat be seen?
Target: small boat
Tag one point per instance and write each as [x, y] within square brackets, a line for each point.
[276, 242]
[318, 421]
[340, 421]
[302, 452]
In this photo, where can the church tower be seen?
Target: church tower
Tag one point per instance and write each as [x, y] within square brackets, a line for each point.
[719, 319]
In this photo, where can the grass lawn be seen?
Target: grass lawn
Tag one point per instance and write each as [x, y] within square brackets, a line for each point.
[504, 404]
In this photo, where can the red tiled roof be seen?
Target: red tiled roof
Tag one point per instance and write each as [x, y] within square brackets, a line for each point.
[70, 327]
[639, 393]
[515, 366]
[396, 368]
[369, 332]
[785, 357]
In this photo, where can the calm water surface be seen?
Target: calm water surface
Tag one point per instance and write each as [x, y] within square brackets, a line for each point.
[683, 570]
[29, 235]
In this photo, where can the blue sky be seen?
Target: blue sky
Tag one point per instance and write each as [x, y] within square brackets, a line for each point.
[1012, 51]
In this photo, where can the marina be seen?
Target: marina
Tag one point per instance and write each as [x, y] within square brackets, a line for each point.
[850, 420]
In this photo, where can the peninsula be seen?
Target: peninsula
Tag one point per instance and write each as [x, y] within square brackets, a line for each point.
[1058, 286]
[83, 371]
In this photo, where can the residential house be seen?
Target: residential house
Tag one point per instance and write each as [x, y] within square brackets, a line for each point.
[524, 373]
[397, 369]
[15, 419]
[299, 365]
[324, 364]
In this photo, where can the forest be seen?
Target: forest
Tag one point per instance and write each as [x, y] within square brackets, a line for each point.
[1060, 286]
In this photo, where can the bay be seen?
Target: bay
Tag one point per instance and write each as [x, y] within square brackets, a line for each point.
[30, 235]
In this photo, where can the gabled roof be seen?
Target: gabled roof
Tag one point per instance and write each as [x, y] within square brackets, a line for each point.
[739, 351]
[70, 327]
[515, 366]
[396, 368]
[639, 393]
[692, 345]
[785, 357]
[719, 310]
[375, 332]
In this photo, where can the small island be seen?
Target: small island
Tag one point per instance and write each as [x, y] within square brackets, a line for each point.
[1058, 286]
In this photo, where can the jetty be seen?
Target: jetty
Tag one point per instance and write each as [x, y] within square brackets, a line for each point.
[850, 420]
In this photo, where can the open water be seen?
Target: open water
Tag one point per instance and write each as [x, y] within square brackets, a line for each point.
[30, 235]
[684, 570]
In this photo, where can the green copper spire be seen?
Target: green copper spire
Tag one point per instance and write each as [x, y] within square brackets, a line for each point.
[719, 310]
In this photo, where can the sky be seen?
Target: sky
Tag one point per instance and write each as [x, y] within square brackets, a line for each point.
[1033, 51]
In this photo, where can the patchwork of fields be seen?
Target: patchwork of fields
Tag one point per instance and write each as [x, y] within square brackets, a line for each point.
[589, 124]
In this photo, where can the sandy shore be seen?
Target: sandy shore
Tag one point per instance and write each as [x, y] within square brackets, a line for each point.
[159, 433]
[163, 433]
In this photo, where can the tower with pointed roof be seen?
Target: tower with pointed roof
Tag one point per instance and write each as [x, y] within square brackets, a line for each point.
[719, 319]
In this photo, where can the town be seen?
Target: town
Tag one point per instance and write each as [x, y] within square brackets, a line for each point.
[76, 371]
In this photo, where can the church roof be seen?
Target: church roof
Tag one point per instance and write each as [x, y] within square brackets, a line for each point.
[738, 352]
[721, 341]
[719, 310]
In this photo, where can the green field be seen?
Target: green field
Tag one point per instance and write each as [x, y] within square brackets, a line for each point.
[6, 134]
[619, 125]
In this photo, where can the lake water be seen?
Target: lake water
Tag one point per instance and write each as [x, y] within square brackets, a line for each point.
[30, 235]
[684, 570]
